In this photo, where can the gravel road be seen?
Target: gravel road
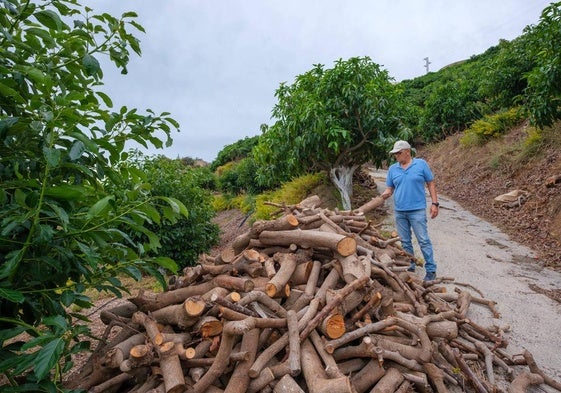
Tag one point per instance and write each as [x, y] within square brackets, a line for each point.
[475, 252]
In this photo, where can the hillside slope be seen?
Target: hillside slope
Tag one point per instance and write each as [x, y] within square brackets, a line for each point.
[474, 176]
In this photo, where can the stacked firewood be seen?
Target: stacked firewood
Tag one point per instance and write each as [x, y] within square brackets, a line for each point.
[314, 301]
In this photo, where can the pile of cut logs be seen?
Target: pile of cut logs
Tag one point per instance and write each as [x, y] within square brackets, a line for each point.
[316, 300]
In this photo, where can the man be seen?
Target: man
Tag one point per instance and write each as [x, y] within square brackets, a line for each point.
[406, 181]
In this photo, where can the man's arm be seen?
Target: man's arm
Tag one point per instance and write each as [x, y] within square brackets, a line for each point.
[434, 199]
[432, 191]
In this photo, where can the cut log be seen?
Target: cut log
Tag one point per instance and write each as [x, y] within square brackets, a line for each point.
[208, 326]
[277, 283]
[170, 365]
[389, 382]
[333, 326]
[139, 355]
[523, 381]
[181, 315]
[370, 205]
[344, 245]
[116, 355]
[368, 375]
[315, 377]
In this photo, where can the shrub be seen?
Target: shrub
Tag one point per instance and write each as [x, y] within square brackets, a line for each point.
[239, 177]
[235, 152]
[491, 126]
[185, 239]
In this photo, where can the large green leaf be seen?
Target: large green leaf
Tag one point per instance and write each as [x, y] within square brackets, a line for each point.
[47, 357]
[11, 262]
[7, 91]
[66, 191]
[76, 151]
[12, 295]
[91, 65]
[100, 207]
[49, 19]
[167, 263]
[52, 156]
[43, 34]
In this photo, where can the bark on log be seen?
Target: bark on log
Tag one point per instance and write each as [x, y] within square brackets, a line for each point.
[287, 385]
[436, 375]
[286, 222]
[277, 283]
[370, 205]
[239, 380]
[116, 355]
[523, 381]
[315, 377]
[367, 376]
[533, 366]
[344, 245]
[181, 315]
[170, 364]
[389, 382]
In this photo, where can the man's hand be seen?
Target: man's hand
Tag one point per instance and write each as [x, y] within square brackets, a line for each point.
[387, 193]
[433, 211]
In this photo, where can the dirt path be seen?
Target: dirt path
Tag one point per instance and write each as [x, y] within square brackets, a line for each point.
[475, 252]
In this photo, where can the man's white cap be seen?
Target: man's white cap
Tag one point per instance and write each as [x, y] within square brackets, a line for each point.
[400, 145]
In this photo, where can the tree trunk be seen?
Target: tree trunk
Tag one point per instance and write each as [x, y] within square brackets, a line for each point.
[342, 178]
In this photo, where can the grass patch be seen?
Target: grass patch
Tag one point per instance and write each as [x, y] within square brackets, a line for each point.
[511, 157]
[289, 193]
[133, 286]
[491, 126]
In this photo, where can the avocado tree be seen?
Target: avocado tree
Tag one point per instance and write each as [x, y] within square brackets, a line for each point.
[332, 119]
[542, 96]
[68, 208]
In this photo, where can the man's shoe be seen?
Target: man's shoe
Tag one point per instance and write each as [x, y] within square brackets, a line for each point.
[430, 276]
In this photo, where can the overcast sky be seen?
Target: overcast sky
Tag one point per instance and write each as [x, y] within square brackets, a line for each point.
[215, 64]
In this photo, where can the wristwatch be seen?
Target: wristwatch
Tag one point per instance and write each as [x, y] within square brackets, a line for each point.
[436, 204]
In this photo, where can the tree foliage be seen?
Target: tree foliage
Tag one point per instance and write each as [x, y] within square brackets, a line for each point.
[68, 209]
[504, 79]
[238, 177]
[186, 238]
[543, 94]
[449, 109]
[331, 119]
[235, 151]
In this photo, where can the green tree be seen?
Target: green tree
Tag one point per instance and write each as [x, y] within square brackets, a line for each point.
[450, 108]
[505, 77]
[543, 95]
[235, 151]
[67, 206]
[185, 239]
[331, 119]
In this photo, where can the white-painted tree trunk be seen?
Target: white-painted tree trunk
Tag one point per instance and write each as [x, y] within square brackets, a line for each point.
[342, 178]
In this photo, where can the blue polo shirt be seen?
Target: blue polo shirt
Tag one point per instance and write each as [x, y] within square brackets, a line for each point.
[409, 184]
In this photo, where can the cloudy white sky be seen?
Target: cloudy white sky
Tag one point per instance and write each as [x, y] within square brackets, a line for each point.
[215, 64]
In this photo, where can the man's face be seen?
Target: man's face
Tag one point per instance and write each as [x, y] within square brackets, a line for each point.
[402, 156]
